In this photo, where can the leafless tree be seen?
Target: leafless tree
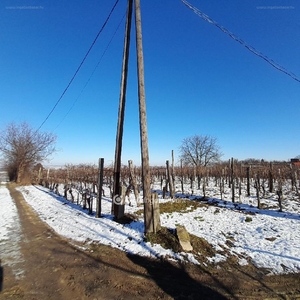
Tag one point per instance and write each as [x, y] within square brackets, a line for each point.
[22, 147]
[199, 151]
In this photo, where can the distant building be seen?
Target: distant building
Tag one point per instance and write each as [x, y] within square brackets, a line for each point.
[295, 162]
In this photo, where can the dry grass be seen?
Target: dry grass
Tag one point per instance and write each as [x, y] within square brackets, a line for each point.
[177, 205]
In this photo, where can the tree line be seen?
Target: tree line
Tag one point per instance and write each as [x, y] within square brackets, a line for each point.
[23, 151]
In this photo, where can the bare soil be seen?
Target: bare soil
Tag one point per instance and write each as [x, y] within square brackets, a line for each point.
[56, 269]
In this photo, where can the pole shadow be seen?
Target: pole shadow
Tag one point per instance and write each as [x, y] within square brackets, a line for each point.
[174, 280]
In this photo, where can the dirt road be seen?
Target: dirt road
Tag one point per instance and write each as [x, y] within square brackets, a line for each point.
[49, 267]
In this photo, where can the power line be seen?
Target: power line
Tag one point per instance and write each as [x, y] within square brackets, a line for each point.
[250, 48]
[80, 65]
[89, 79]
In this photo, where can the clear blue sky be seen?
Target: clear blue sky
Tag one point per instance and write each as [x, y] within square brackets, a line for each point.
[198, 80]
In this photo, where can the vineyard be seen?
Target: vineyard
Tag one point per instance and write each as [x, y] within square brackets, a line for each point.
[246, 211]
[232, 181]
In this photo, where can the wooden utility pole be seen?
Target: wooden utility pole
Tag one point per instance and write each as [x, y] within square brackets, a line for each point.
[149, 212]
[122, 100]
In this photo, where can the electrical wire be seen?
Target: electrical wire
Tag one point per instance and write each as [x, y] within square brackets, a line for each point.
[89, 79]
[250, 48]
[80, 65]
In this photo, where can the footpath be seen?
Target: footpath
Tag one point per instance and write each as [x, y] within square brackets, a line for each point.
[41, 266]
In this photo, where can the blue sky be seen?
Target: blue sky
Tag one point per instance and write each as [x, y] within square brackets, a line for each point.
[197, 79]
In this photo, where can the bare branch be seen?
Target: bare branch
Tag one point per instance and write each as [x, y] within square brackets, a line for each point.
[199, 151]
[22, 147]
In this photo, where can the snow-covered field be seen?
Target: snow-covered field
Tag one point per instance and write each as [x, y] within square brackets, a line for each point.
[268, 237]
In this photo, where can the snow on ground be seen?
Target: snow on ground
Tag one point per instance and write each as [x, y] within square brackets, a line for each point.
[268, 237]
[71, 221]
[6, 220]
[10, 233]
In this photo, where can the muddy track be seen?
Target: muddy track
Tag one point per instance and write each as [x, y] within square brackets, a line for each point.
[53, 268]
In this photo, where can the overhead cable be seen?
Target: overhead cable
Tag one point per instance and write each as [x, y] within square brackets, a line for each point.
[87, 82]
[80, 65]
[250, 48]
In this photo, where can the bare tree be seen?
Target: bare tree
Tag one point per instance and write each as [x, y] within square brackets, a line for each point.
[199, 151]
[22, 148]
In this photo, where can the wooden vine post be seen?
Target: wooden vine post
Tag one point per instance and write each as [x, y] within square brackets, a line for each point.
[99, 190]
[271, 187]
[182, 177]
[173, 169]
[170, 180]
[133, 182]
[232, 180]
[248, 181]
[279, 191]
[222, 183]
[257, 186]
